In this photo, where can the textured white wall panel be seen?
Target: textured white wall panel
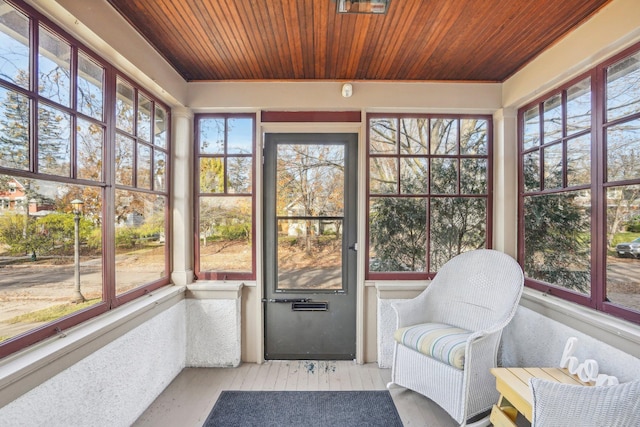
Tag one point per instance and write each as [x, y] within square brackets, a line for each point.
[213, 330]
[386, 327]
[112, 386]
[532, 339]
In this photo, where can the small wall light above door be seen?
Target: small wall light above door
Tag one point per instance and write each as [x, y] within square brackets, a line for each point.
[363, 6]
[347, 90]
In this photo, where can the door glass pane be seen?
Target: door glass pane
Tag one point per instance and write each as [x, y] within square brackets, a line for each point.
[309, 197]
[14, 128]
[309, 254]
[623, 257]
[54, 141]
[623, 90]
[54, 65]
[310, 180]
[14, 46]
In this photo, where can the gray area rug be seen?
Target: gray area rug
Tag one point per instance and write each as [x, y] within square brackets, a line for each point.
[304, 408]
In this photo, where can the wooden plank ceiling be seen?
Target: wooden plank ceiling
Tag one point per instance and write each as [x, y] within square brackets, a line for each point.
[417, 40]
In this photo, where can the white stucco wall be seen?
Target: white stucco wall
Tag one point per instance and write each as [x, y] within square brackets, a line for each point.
[386, 328]
[96, 24]
[532, 339]
[213, 328]
[113, 385]
[214, 324]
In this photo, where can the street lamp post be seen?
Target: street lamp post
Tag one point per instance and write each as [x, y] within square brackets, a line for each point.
[77, 211]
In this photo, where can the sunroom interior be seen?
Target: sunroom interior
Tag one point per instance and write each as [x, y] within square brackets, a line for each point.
[110, 111]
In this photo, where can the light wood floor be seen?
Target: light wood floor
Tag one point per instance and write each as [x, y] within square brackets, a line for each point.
[189, 398]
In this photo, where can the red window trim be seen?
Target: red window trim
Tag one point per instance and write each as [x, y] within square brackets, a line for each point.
[488, 196]
[597, 299]
[310, 116]
[107, 184]
[222, 275]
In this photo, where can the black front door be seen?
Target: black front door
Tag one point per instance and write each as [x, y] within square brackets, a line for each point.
[310, 241]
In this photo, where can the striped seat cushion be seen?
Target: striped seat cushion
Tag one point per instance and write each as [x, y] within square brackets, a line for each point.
[442, 342]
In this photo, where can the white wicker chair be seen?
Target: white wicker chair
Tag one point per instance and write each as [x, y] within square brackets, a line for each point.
[560, 405]
[477, 291]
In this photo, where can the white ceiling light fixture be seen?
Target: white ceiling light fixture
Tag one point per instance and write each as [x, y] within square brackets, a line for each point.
[379, 7]
[347, 90]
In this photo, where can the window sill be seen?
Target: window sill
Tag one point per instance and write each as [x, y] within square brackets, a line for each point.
[34, 365]
[205, 289]
[398, 289]
[616, 332]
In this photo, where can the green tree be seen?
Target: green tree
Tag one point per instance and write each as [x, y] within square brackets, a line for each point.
[14, 128]
[48, 235]
[211, 175]
[398, 233]
[633, 225]
[557, 237]
[59, 228]
[398, 225]
[54, 142]
[457, 225]
[21, 235]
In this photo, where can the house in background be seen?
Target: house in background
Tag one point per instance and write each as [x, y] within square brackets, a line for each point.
[150, 137]
[13, 197]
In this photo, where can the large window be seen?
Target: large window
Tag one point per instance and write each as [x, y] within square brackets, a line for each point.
[79, 147]
[224, 187]
[429, 192]
[141, 160]
[580, 189]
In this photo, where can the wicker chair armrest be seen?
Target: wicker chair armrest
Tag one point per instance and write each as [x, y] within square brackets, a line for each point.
[409, 312]
[497, 328]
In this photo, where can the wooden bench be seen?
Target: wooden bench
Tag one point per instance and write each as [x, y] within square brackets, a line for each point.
[515, 395]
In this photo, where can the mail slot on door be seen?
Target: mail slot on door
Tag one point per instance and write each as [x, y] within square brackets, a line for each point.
[310, 306]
